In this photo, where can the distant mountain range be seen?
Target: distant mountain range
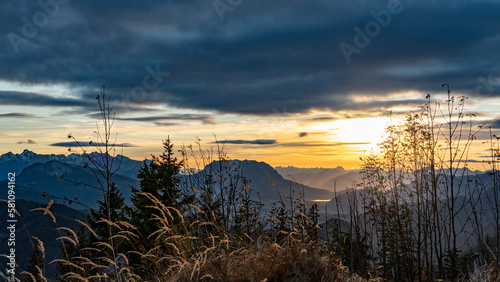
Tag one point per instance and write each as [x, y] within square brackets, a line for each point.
[46, 178]
[324, 178]
[265, 181]
[43, 177]
[39, 174]
[10, 162]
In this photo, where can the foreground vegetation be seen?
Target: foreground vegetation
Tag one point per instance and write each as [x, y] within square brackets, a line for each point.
[404, 222]
[421, 214]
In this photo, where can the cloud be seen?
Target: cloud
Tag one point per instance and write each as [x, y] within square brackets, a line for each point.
[264, 55]
[248, 142]
[312, 144]
[320, 119]
[495, 123]
[203, 118]
[485, 162]
[302, 134]
[28, 142]
[17, 115]
[166, 123]
[35, 99]
[87, 144]
[80, 104]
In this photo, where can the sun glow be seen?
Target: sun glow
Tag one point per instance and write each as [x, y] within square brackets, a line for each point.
[361, 130]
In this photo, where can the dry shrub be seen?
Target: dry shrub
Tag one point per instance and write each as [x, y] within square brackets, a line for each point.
[487, 273]
[292, 260]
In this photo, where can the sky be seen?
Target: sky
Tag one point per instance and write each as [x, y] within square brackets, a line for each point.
[302, 83]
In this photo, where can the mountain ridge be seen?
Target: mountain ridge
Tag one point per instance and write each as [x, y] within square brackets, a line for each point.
[264, 179]
[40, 174]
[10, 162]
[323, 178]
[69, 182]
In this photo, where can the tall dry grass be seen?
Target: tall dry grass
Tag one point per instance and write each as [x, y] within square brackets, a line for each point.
[197, 251]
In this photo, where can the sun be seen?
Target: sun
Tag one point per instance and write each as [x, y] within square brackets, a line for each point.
[360, 130]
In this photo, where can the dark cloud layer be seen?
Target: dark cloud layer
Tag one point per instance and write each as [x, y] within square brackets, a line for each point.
[248, 142]
[87, 144]
[158, 119]
[17, 115]
[28, 142]
[263, 55]
[495, 124]
[334, 144]
[34, 99]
